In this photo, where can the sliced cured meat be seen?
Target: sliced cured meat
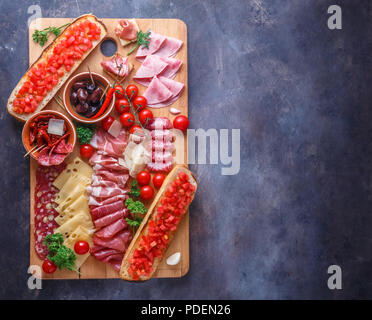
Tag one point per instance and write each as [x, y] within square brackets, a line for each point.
[158, 145]
[170, 47]
[162, 157]
[156, 42]
[116, 264]
[98, 181]
[101, 253]
[112, 229]
[127, 29]
[63, 147]
[117, 177]
[162, 92]
[114, 258]
[108, 144]
[159, 123]
[162, 135]
[100, 192]
[120, 242]
[110, 218]
[99, 161]
[44, 212]
[158, 66]
[159, 167]
[93, 201]
[157, 92]
[117, 65]
[102, 211]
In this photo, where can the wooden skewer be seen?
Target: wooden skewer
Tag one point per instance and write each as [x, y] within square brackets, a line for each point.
[104, 92]
[59, 103]
[91, 77]
[34, 149]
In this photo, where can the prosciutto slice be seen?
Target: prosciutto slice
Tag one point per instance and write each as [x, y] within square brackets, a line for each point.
[127, 30]
[110, 218]
[120, 242]
[102, 211]
[103, 201]
[109, 145]
[117, 65]
[119, 178]
[100, 192]
[112, 229]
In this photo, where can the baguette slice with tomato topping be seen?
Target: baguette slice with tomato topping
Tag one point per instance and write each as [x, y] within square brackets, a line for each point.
[159, 226]
[15, 97]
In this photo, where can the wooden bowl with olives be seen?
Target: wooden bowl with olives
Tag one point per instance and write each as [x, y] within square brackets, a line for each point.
[83, 99]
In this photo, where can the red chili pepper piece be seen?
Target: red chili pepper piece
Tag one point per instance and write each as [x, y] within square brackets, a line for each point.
[105, 104]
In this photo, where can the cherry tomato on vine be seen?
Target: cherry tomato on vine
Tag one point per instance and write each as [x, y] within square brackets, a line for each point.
[158, 180]
[127, 119]
[181, 123]
[131, 91]
[135, 128]
[143, 178]
[107, 122]
[49, 266]
[145, 115]
[147, 192]
[139, 103]
[119, 92]
[122, 105]
[86, 150]
[81, 247]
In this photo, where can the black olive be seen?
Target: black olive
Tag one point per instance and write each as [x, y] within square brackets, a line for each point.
[92, 111]
[96, 95]
[90, 87]
[82, 95]
[79, 85]
[74, 98]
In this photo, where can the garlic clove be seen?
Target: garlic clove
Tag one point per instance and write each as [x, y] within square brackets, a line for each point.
[174, 111]
[174, 259]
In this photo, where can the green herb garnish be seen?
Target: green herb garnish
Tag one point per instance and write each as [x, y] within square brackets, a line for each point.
[41, 36]
[136, 208]
[143, 39]
[135, 192]
[85, 132]
[62, 256]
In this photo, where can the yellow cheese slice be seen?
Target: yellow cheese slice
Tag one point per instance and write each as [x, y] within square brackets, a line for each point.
[65, 216]
[65, 200]
[80, 219]
[79, 234]
[77, 166]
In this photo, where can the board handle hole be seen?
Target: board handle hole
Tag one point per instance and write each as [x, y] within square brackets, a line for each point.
[109, 47]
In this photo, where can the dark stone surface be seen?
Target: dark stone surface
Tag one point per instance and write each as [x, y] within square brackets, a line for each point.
[300, 94]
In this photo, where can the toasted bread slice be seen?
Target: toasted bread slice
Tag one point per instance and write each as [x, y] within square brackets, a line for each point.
[150, 215]
[49, 50]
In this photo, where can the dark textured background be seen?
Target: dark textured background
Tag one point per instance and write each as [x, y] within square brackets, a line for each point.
[300, 94]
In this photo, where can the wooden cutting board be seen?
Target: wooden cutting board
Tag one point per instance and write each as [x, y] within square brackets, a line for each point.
[92, 268]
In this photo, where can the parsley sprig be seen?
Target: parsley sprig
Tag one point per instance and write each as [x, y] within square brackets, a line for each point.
[135, 192]
[143, 39]
[85, 132]
[62, 256]
[137, 210]
[41, 36]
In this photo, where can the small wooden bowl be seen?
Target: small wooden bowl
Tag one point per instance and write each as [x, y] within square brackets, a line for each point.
[71, 109]
[26, 130]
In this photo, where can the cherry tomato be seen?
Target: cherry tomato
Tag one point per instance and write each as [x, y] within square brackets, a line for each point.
[131, 91]
[49, 266]
[119, 92]
[143, 178]
[86, 150]
[144, 115]
[147, 192]
[122, 105]
[139, 103]
[81, 247]
[127, 119]
[134, 128]
[181, 123]
[158, 180]
[107, 122]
